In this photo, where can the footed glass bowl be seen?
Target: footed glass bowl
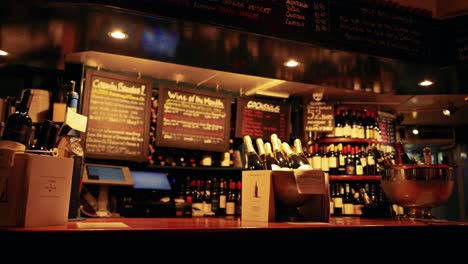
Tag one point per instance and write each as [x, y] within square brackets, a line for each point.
[418, 188]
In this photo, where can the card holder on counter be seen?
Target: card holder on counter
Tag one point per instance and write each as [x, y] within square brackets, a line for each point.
[34, 189]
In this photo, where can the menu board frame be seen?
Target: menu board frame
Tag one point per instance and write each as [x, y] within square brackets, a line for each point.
[133, 85]
[188, 96]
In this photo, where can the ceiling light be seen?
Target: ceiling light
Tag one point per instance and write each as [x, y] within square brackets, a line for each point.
[3, 53]
[450, 109]
[415, 131]
[117, 34]
[291, 63]
[425, 83]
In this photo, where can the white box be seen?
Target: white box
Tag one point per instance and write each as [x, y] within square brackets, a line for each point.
[290, 195]
[34, 189]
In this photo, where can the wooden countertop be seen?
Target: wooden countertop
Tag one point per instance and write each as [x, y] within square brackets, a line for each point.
[214, 224]
[137, 233]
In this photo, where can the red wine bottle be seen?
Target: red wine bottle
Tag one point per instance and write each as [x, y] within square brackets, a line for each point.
[18, 126]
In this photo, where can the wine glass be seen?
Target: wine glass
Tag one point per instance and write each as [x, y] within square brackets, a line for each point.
[418, 188]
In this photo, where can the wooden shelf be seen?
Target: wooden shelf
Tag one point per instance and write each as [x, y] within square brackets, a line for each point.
[354, 178]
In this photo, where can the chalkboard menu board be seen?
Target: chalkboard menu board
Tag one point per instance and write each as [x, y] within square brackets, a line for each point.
[118, 109]
[319, 116]
[384, 30]
[387, 127]
[259, 118]
[193, 119]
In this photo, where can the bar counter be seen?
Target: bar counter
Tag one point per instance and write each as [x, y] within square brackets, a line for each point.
[139, 232]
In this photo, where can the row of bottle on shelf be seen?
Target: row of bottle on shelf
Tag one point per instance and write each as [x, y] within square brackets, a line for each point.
[360, 199]
[354, 122]
[349, 159]
[210, 197]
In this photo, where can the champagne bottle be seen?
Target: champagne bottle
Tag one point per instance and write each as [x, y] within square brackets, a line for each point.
[401, 156]
[253, 160]
[299, 149]
[383, 161]
[19, 127]
[271, 163]
[295, 161]
[277, 153]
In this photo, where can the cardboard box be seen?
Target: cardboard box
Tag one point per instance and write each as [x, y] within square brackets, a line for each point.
[293, 196]
[34, 189]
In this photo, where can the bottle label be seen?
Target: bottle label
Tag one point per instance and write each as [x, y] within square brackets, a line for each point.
[230, 208]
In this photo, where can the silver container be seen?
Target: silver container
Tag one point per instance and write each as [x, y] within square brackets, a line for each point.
[418, 188]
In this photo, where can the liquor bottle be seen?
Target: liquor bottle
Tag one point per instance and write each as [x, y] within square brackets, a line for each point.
[401, 157]
[338, 199]
[253, 160]
[69, 142]
[350, 161]
[277, 153]
[271, 163]
[371, 170]
[52, 137]
[189, 184]
[19, 127]
[295, 161]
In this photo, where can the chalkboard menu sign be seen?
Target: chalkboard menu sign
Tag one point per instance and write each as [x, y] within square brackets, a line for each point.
[118, 109]
[387, 127]
[390, 31]
[193, 119]
[319, 116]
[259, 118]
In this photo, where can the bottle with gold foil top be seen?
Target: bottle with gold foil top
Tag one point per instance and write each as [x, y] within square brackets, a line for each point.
[277, 153]
[295, 161]
[253, 159]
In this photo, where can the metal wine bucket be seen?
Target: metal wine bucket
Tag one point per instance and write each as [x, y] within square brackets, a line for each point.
[418, 188]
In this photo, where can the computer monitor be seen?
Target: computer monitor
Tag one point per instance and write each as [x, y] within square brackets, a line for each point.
[150, 180]
[105, 176]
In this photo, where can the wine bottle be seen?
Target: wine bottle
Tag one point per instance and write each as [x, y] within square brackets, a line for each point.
[383, 161]
[401, 156]
[42, 134]
[277, 153]
[253, 160]
[271, 163]
[19, 127]
[295, 161]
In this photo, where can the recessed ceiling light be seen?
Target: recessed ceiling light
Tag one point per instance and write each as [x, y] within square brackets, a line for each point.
[291, 63]
[117, 34]
[3, 53]
[426, 82]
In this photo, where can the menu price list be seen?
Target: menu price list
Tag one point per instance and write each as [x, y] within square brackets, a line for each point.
[193, 119]
[260, 118]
